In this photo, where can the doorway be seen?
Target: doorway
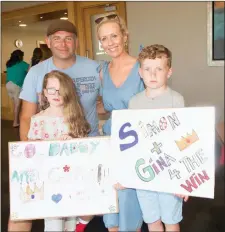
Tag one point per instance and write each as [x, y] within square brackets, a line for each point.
[89, 45]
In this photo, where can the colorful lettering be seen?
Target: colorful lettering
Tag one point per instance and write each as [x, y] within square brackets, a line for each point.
[123, 135]
[148, 169]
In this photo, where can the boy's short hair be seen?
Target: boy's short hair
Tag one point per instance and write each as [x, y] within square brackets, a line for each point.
[155, 51]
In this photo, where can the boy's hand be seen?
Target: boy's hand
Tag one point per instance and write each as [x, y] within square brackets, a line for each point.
[118, 186]
[66, 137]
[184, 197]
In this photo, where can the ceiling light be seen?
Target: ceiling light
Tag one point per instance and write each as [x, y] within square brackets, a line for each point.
[65, 13]
[64, 18]
[22, 25]
[19, 21]
[41, 17]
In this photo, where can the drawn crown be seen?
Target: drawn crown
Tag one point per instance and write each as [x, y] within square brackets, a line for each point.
[32, 195]
[187, 141]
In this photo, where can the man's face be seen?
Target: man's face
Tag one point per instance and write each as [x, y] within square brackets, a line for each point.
[62, 44]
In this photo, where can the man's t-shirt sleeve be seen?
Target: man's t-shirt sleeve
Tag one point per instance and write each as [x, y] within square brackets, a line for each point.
[29, 88]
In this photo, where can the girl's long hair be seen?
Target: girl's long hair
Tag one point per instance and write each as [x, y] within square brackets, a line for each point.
[73, 110]
[37, 56]
[16, 57]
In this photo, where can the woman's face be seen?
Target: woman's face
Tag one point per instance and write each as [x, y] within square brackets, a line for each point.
[112, 39]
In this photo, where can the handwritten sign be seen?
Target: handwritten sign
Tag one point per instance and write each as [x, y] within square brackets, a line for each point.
[60, 178]
[166, 150]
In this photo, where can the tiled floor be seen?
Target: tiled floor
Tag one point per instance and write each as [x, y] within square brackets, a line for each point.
[200, 215]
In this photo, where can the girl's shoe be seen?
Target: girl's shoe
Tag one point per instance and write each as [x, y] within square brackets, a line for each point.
[80, 227]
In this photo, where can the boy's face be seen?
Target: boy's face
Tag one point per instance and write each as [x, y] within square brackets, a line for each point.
[155, 72]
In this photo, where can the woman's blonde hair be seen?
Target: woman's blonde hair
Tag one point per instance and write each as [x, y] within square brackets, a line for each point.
[73, 110]
[117, 19]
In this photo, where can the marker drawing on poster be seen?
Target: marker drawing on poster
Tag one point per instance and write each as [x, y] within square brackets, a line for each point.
[61, 178]
[167, 150]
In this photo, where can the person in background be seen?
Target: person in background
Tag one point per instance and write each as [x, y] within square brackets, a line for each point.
[37, 56]
[16, 70]
[120, 81]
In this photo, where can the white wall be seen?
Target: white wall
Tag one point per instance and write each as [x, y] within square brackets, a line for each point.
[182, 27]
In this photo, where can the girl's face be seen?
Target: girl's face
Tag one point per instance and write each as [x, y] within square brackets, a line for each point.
[52, 92]
[112, 39]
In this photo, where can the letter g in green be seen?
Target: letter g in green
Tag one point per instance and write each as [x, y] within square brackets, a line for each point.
[146, 169]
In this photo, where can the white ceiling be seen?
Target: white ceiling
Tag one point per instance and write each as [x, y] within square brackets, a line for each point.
[14, 5]
[33, 23]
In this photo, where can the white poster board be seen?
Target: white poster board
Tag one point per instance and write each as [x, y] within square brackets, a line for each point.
[60, 178]
[165, 150]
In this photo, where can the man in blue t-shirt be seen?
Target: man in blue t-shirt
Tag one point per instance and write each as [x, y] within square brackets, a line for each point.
[62, 40]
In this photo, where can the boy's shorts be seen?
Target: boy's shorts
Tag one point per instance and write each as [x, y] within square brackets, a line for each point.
[129, 217]
[160, 206]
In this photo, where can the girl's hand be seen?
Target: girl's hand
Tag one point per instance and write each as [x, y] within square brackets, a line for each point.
[184, 197]
[66, 137]
[118, 186]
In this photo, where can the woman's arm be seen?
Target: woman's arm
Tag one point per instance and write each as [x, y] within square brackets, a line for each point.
[99, 105]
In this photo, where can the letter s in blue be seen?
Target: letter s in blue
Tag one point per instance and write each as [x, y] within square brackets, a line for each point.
[124, 135]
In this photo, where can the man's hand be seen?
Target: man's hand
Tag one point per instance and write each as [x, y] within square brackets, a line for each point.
[184, 197]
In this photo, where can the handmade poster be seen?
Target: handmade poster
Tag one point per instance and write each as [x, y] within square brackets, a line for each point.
[60, 178]
[165, 150]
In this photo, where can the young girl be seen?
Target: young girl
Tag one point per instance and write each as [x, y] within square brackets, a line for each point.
[61, 117]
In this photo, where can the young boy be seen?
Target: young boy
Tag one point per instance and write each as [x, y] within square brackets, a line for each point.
[155, 70]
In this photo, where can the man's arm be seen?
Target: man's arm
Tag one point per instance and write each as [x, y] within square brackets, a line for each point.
[27, 111]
